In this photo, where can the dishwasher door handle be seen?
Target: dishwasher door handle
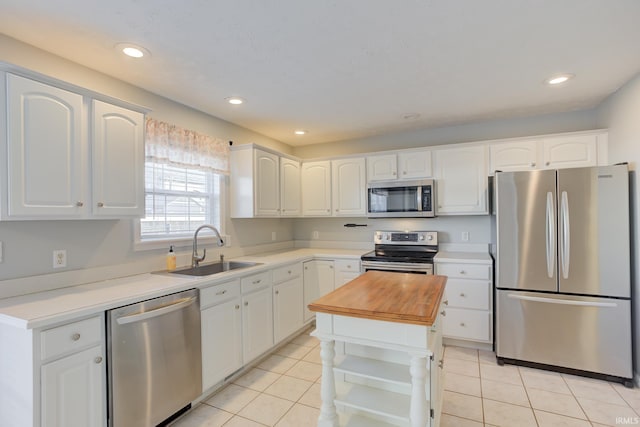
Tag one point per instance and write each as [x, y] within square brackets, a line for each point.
[177, 305]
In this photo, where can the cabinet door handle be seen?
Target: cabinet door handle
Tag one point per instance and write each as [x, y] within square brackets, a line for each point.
[98, 359]
[463, 272]
[446, 302]
[404, 172]
[100, 204]
[237, 306]
[462, 294]
[444, 313]
[462, 324]
[221, 292]
[289, 272]
[548, 163]
[246, 303]
[277, 292]
[440, 363]
[349, 266]
[255, 282]
[75, 337]
[394, 174]
[79, 204]
[533, 164]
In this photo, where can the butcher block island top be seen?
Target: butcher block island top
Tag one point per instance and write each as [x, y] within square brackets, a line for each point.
[381, 295]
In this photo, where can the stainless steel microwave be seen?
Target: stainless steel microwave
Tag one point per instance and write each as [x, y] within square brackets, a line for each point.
[401, 199]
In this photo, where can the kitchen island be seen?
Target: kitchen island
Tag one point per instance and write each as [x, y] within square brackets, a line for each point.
[380, 336]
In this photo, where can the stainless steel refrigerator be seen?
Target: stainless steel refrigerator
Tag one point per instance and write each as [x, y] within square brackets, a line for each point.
[563, 273]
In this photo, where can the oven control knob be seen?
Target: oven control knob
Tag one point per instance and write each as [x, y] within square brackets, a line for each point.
[429, 237]
[421, 237]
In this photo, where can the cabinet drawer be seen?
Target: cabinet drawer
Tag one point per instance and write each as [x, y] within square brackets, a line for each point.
[465, 271]
[218, 293]
[282, 274]
[255, 281]
[474, 294]
[348, 265]
[69, 338]
[467, 324]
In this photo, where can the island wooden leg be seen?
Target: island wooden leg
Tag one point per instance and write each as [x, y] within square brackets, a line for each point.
[328, 415]
[419, 410]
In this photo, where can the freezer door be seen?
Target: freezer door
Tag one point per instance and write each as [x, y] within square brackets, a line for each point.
[526, 230]
[593, 231]
[585, 333]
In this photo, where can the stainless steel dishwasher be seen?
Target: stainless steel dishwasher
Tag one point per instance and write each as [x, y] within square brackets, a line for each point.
[154, 360]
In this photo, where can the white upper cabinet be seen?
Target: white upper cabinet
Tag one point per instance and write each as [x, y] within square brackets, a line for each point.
[62, 161]
[552, 152]
[349, 187]
[44, 151]
[290, 194]
[263, 184]
[382, 167]
[514, 156]
[118, 161]
[461, 180]
[267, 184]
[413, 164]
[316, 185]
[570, 151]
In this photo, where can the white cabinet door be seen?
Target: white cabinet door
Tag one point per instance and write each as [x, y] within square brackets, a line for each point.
[257, 324]
[117, 161]
[514, 156]
[349, 187]
[44, 151]
[462, 181]
[346, 270]
[73, 390]
[290, 195]
[267, 184]
[414, 164]
[319, 280]
[221, 342]
[287, 308]
[570, 151]
[382, 168]
[316, 188]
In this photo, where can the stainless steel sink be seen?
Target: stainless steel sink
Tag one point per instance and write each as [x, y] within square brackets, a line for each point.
[214, 268]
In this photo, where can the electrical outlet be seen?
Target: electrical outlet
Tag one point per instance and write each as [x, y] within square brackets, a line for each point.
[465, 236]
[273, 236]
[316, 235]
[59, 258]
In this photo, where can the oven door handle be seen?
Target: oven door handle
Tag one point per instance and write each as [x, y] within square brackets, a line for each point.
[427, 268]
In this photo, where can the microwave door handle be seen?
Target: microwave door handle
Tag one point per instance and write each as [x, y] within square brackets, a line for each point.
[419, 199]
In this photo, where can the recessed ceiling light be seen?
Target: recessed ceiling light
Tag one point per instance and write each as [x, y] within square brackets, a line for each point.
[235, 100]
[559, 79]
[132, 50]
[300, 132]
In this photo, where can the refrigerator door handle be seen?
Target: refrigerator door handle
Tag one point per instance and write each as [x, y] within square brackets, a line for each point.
[550, 240]
[562, 301]
[566, 237]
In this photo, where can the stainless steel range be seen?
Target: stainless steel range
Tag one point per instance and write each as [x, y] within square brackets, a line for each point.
[402, 251]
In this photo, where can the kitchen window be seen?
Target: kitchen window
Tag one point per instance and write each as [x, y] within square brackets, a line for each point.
[178, 200]
[185, 175]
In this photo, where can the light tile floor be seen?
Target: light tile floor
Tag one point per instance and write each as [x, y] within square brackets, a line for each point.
[284, 391]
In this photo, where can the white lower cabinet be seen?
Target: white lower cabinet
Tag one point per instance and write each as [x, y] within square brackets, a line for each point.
[287, 301]
[319, 280]
[469, 294]
[346, 270]
[221, 329]
[73, 390]
[257, 323]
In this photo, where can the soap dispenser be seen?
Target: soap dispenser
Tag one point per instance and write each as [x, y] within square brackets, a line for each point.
[171, 259]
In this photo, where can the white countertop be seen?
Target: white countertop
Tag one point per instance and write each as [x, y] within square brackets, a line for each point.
[47, 308]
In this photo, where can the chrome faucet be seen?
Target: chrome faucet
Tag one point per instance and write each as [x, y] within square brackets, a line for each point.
[195, 259]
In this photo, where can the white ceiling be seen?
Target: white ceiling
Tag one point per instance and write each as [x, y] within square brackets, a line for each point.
[345, 69]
